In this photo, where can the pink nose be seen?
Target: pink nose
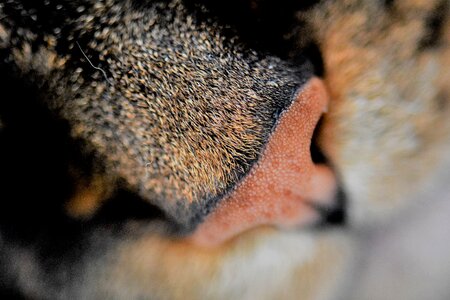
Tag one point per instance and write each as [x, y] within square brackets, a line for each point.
[281, 187]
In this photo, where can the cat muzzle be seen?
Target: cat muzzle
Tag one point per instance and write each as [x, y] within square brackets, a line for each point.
[285, 188]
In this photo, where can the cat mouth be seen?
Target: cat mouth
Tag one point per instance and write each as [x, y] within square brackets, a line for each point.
[290, 187]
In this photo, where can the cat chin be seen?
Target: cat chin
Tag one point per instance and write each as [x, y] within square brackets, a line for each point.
[261, 264]
[264, 263]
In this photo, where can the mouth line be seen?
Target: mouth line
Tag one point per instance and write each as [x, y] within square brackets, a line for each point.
[331, 216]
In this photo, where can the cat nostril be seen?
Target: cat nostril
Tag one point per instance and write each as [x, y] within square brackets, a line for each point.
[316, 153]
[335, 214]
[279, 190]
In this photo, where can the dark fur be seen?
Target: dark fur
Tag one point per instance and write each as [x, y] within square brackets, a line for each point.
[173, 108]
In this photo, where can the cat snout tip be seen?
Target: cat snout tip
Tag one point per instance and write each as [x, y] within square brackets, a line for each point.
[279, 189]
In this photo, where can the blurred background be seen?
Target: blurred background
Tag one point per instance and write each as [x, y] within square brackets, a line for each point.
[409, 257]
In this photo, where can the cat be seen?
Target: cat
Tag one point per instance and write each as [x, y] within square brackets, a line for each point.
[134, 133]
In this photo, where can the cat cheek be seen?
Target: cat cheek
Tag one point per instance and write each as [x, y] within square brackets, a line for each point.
[285, 185]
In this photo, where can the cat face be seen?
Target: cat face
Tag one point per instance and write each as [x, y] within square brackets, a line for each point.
[386, 130]
[152, 125]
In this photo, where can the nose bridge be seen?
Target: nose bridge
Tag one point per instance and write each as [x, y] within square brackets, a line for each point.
[280, 188]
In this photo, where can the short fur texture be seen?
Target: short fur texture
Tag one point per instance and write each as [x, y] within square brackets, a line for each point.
[123, 123]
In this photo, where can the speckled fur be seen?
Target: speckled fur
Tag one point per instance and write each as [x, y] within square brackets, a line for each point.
[176, 109]
[387, 130]
[159, 102]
